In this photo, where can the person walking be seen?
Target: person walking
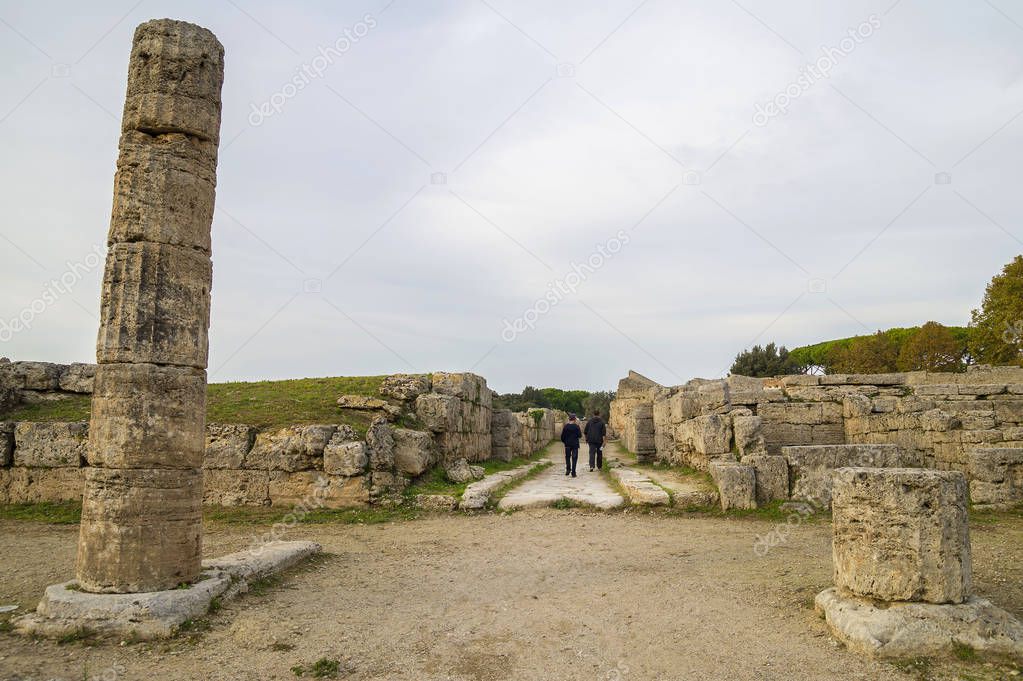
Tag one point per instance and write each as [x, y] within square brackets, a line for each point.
[570, 435]
[596, 434]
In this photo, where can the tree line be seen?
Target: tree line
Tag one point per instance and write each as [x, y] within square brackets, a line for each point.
[994, 336]
[581, 402]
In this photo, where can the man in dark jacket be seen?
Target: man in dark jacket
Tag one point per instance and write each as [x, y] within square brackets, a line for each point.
[596, 433]
[570, 434]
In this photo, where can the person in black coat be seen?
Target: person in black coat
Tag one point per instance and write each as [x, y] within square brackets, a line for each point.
[570, 436]
[596, 434]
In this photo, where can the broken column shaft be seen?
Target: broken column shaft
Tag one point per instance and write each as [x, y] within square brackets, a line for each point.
[141, 527]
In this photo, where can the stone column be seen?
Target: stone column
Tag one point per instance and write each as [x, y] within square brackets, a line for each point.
[141, 526]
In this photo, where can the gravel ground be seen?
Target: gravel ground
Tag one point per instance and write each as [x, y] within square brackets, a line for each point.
[543, 594]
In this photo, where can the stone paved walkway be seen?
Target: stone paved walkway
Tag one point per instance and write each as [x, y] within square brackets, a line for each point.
[553, 485]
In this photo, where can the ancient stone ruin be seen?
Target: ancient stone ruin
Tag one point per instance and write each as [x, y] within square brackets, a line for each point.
[141, 526]
[420, 423]
[902, 567]
[767, 439]
[141, 519]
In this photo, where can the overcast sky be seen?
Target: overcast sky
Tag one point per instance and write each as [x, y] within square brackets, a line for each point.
[452, 163]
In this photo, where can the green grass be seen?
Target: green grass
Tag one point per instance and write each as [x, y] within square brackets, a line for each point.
[74, 408]
[54, 513]
[70, 513]
[324, 668]
[435, 482]
[964, 652]
[265, 404]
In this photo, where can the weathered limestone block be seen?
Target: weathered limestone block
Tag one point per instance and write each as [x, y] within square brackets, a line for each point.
[913, 404]
[711, 395]
[142, 529]
[344, 454]
[811, 467]
[174, 80]
[227, 445]
[996, 476]
[800, 413]
[405, 387]
[827, 434]
[6, 444]
[50, 445]
[9, 399]
[772, 477]
[386, 488]
[937, 420]
[466, 386]
[413, 451]
[460, 471]
[312, 489]
[36, 485]
[901, 534]
[977, 420]
[745, 390]
[940, 390]
[779, 435]
[291, 449]
[439, 413]
[1009, 411]
[77, 378]
[155, 305]
[380, 445]
[710, 434]
[799, 379]
[148, 416]
[41, 376]
[235, 487]
[983, 389]
[736, 484]
[363, 403]
[164, 190]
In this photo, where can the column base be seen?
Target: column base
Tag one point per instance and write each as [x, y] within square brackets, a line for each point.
[906, 630]
[65, 610]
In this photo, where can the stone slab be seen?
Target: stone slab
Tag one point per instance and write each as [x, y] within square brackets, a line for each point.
[158, 614]
[477, 494]
[639, 488]
[910, 630]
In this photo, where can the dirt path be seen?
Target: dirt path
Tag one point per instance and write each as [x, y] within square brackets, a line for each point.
[543, 594]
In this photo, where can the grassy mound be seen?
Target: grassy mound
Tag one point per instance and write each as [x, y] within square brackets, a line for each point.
[267, 404]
